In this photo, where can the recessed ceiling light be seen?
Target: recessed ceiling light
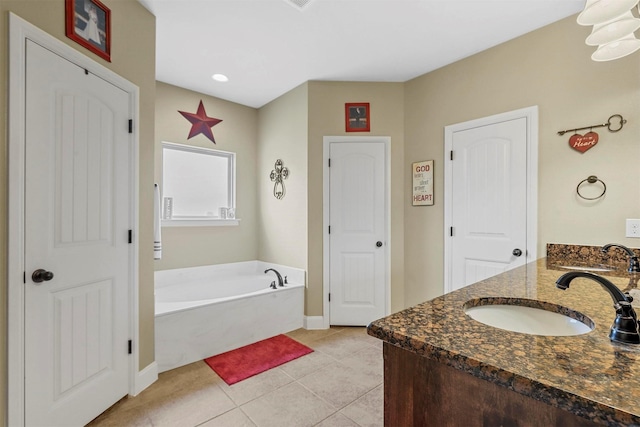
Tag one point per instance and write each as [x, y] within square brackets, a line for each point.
[299, 4]
[220, 78]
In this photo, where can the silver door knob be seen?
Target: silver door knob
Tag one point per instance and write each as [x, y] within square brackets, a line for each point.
[516, 252]
[41, 275]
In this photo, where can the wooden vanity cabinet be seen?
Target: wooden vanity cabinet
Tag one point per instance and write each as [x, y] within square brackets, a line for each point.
[423, 392]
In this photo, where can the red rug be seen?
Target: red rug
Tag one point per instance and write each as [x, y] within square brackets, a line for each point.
[244, 362]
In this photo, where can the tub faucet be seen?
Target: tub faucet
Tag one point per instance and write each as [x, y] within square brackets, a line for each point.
[625, 326]
[280, 282]
[634, 265]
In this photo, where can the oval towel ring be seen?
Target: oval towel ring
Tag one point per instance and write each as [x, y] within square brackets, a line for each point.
[592, 179]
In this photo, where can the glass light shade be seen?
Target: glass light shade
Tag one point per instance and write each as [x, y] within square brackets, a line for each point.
[601, 11]
[616, 49]
[613, 30]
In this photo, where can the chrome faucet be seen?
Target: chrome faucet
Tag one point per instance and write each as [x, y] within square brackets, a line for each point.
[280, 282]
[634, 265]
[625, 326]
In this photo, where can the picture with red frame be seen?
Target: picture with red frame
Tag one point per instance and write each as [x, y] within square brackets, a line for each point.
[88, 23]
[357, 117]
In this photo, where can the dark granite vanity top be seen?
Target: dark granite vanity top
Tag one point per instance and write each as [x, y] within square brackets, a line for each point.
[586, 374]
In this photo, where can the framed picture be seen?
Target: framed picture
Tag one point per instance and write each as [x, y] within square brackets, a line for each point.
[422, 183]
[88, 22]
[356, 116]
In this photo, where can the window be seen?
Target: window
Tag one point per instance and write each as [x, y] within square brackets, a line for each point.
[198, 184]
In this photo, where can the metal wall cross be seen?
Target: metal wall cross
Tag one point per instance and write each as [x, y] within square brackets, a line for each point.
[277, 175]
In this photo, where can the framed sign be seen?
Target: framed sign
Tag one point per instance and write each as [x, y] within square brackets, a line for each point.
[422, 183]
[356, 117]
[88, 23]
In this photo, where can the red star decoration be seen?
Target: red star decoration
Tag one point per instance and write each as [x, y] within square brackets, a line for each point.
[200, 123]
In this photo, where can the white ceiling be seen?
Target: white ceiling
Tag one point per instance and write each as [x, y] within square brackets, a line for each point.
[268, 47]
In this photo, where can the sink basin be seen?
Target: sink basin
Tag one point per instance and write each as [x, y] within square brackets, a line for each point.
[528, 317]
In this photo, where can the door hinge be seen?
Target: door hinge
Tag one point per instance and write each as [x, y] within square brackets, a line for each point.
[329, 229]
[451, 155]
[130, 236]
[130, 347]
[329, 162]
[86, 72]
[329, 296]
[130, 125]
[451, 231]
[24, 277]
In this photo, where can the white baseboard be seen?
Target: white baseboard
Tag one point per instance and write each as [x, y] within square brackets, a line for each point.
[145, 378]
[314, 322]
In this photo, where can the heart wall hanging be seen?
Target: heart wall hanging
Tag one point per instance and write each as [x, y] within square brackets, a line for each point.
[585, 142]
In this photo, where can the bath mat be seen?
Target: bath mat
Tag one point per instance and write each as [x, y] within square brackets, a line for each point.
[244, 362]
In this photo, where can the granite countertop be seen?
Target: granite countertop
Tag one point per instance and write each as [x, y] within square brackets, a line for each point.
[586, 374]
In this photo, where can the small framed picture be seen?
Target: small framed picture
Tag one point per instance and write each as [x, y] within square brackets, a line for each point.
[88, 22]
[422, 183]
[356, 117]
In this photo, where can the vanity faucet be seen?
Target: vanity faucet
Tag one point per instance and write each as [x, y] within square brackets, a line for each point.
[280, 282]
[625, 326]
[634, 265]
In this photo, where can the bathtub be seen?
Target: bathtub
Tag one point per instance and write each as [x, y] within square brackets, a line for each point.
[204, 311]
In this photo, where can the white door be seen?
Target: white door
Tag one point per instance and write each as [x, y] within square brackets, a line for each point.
[77, 204]
[489, 201]
[357, 234]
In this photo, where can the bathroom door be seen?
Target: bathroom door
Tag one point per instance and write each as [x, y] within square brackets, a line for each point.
[489, 223]
[77, 254]
[358, 247]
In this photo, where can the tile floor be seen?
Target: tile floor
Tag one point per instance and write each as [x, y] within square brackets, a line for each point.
[339, 384]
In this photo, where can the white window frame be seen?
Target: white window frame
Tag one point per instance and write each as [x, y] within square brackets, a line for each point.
[231, 187]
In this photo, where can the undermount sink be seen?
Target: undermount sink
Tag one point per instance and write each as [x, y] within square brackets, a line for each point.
[528, 317]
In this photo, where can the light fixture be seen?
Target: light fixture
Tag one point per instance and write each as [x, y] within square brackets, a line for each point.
[299, 4]
[616, 49]
[601, 11]
[613, 30]
[220, 78]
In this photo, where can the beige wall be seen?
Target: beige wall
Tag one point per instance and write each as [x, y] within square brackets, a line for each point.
[291, 128]
[551, 68]
[195, 246]
[282, 229]
[326, 118]
[133, 57]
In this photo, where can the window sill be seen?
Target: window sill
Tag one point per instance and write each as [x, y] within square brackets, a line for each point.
[200, 222]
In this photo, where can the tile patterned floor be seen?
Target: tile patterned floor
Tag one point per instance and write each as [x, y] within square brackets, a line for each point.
[338, 385]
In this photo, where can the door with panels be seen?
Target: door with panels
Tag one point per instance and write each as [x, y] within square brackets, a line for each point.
[357, 235]
[488, 233]
[78, 217]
